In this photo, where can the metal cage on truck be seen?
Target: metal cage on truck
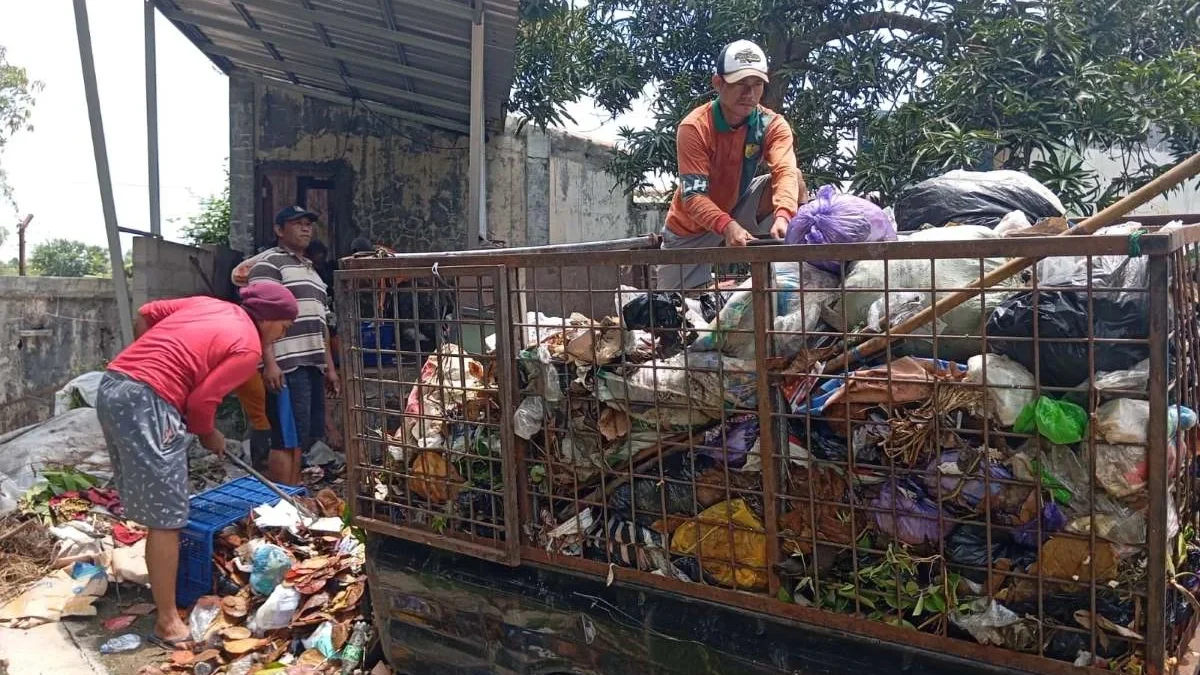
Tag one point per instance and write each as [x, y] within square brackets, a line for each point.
[568, 415]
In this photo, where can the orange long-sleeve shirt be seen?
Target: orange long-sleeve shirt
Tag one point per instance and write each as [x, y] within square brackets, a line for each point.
[717, 163]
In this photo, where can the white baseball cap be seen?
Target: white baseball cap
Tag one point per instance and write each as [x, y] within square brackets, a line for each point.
[742, 59]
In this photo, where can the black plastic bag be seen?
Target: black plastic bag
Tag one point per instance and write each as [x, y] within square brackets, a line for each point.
[711, 304]
[972, 198]
[967, 545]
[660, 313]
[646, 495]
[1064, 314]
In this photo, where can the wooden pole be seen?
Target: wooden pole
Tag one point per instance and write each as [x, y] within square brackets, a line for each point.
[1109, 216]
[21, 226]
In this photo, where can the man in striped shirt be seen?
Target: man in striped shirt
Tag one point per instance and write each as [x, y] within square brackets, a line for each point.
[298, 367]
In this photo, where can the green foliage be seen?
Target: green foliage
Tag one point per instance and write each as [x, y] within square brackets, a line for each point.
[69, 258]
[211, 224]
[888, 93]
[36, 500]
[16, 104]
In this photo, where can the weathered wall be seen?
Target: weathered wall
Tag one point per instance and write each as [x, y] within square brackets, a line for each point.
[164, 269]
[409, 183]
[53, 329]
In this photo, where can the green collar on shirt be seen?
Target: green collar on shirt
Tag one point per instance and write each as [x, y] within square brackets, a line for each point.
[723, 126]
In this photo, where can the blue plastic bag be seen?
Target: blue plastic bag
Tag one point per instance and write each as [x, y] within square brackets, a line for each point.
[838, 218]
[270, 564]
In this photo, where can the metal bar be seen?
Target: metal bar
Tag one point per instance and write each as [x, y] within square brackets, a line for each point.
[194, 34]
[84, 34]
[381, 108]
[506, 361]
[760, 275]
[243, 59]
[152, 119]
[300, 508]
[1156, 468]
[477, 163]
[140, 233]
[389, 18]
[351, 23]
[448, 8]
[308, 47]
[245, 14]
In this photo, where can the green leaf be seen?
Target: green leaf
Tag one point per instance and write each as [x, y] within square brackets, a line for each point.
[785, 595]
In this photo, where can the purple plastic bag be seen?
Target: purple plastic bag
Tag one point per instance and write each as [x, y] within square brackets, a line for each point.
[838, 218]
[1053, 520]
[917, 515]
[973, 487]
[741, 433]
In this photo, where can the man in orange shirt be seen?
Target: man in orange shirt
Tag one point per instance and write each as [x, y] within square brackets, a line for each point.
[721, 147]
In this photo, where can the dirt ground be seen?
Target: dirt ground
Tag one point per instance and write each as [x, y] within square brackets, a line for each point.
[89, 632]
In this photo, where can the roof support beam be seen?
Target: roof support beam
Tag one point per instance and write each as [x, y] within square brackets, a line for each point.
[339, 20]
[333, 78]
[152, 119]
[287, 42]
[477, 158]
[245, 14]
[83, 32]
[382, 109]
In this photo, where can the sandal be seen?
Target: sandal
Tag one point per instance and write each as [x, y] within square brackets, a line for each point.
[181, 644]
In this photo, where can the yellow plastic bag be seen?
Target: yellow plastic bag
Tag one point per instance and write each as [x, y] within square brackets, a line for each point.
[745, 567]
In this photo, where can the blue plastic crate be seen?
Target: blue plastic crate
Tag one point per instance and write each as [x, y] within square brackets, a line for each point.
[210, 512]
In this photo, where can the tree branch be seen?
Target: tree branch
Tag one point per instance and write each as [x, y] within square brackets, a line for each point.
[803, 44]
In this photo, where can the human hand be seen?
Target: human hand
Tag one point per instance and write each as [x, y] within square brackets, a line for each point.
[272, 376]
[736, 235]
[780, 228]
[332, 382]
[214, 441]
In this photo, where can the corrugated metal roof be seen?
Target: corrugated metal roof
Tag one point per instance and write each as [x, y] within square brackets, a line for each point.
[411, 58]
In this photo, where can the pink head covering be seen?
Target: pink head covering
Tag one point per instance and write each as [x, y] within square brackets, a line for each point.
[269, 301]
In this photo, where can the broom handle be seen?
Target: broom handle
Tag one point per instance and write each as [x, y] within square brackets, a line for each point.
[1109, 216]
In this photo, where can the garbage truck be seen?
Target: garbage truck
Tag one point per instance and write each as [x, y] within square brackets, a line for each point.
[952, 452]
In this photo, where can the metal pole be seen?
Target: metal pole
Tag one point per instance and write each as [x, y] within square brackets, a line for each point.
[477, 160]
[21, 227]
[152, 119]
[84, 33]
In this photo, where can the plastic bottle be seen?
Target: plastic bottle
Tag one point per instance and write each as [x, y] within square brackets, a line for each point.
[126, 643]
[203, 668]
[352, 654]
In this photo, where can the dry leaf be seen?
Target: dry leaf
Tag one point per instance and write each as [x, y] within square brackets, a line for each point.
[119, 622]
[434, 479]
[182, 658]
[612, 571]
[311, 657]
[235, 606]
[381, 668]
[236, 633]
[207, 655]
[240, 647]
[614, 424]
[141, 610]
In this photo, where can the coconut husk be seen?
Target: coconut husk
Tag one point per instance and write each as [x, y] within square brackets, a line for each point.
[434, 479]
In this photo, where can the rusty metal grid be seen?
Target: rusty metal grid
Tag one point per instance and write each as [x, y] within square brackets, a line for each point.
[424, 426]
[627, 465]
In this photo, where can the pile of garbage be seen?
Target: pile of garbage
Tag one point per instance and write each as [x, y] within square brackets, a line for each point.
[923, 489]
[292, 591]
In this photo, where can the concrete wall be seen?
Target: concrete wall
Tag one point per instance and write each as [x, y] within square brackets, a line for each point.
[53, 329]
[409, 183]
[164, 269]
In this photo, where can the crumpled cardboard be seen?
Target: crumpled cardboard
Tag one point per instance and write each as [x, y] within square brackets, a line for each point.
[54, 597]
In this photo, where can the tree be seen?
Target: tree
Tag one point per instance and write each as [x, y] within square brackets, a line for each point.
[16, 103]
[70, 258]
[930, 84]
[211, 224]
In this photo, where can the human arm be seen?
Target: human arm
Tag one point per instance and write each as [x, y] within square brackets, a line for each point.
[272, 374]
[332, 382]
[202, 403]
[695, 160]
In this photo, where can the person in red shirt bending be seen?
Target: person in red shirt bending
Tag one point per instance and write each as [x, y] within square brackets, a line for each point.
[161, 393]
[721, 146]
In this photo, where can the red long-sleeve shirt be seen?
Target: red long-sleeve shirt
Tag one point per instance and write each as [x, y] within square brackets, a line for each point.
[195, 353]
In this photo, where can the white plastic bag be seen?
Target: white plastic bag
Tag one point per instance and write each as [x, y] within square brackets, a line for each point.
[1136, 379]
[1010, 385]
[84, 386]
[1123, 421]
[952, 273]
[278, 610]
[528, 418]
[1015, 221]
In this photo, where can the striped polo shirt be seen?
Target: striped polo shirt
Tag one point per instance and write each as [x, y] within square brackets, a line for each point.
[304, 343]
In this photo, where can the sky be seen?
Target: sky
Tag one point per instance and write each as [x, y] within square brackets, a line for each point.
[52, 169]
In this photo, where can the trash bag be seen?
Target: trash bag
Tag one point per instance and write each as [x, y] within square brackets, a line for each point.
[270, 564]
[1063, 422]
[78, 393]
[704, 382]
[527, 420]
[910, 275]
[731, 442]
[961, 477]
[1117, 314]
[730, 542]
[991, 623]
[1010, 386]
[974, 198]
[1052, 520]
[659, 313]
[642, 500]
[917, 515]
[838, 218]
